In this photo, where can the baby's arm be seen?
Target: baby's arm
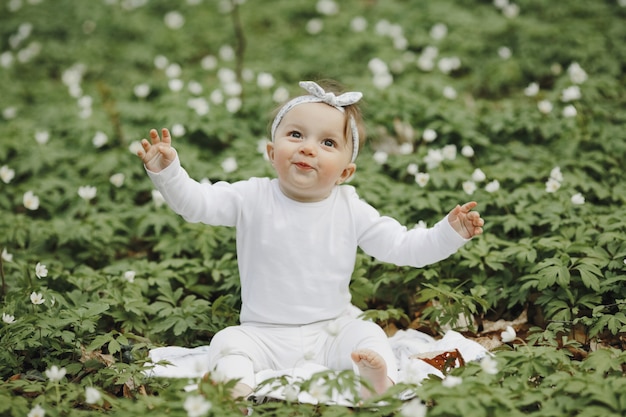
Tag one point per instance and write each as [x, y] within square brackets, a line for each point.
[467, 223]
[158, 155]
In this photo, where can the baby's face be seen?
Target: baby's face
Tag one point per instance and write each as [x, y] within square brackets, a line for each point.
[310, 152]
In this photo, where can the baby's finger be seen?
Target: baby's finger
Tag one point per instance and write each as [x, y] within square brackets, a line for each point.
[166, 136]
[154, 136]
[468, 206]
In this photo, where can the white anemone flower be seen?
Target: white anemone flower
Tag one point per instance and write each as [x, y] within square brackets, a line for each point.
[469, 187]
[197, 406]
[117, 179]
[7, 318]
[36, 411]
[508, 335]
[55, 373]
[87, 192]
[578, 199]
[552, 185]
[451, 381]
[489, 365]
[422, 178]
[413, 408]
[92, 395]
[229, 165]
[467, 151]
[37, 298]
[429, 135]
[30, 200]
[100, 139]
[6, 174]
[478, 175]
[492, 186]
[6, 256]
[41, 271]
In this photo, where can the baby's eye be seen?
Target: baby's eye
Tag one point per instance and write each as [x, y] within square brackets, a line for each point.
[329, 142]
[295, 134]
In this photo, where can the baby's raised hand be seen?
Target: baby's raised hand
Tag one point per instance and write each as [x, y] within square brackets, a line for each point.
[467, 223]
[157, 155]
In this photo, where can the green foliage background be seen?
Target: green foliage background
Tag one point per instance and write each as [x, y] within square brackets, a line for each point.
[562, 263]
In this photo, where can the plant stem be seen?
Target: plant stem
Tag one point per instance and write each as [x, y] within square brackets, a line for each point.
[4, 283]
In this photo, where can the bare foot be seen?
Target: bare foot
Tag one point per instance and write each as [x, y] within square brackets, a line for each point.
[373, 369]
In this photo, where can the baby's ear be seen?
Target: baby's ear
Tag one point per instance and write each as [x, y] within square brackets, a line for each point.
[347, 173]
[269, 148]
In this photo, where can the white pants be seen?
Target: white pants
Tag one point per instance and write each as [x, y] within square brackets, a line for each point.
[238, 352]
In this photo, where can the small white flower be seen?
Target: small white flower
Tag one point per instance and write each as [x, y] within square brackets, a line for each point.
[492, 186]
[291, 393]
[134, 147]
[319, 391]
[569, 111]
[412, 169]
[100, 139]
[9, 113]
[208, 63]
[216, 97]
[433, 158]
[174, 20]
[469, 187]
[449, 152]
[413, 408]
[578, 199]
[467, 151]
[141, 90]
[439, 31]
[197, 406]
[420, 225]
[37, 298]
[327, 7]
[199, 105]
[229, 165]
[532, 90]
[556, 174]
[281, 94]
[545, 106]
[265, 80]
[510, 10]
[577, 75]
[175, 84]
[158, 198]
[504, 52]
[36, 411]
[478, 175]
[6, 174]
[449, 93]
[42, 137]
[571, 93]
[377, 66]
[449, 64]
[552, 185]
[382, 80]
[508, 335]
[422, 178]
[55, 373]
[173, 70]
[358, 24]
[30, 200]
[40, 270]
[92, 395]
[6, 256]
[130, 276]
[178, 130]
[87, 192]
[6, 59]
[406, 148]
[7, 318]
[489, 365]
[500, 4]
[227, 53]
[161, 62]
[380, 157]
[233, 104]
[452, 381]
[429, 135]
[117, 179]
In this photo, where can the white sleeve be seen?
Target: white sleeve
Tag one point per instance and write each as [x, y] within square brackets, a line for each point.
[215, 204]
[387, 240]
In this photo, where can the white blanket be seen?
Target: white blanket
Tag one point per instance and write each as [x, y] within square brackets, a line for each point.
[193, 363]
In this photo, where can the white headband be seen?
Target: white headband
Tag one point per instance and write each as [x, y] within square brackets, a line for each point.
[318, 95]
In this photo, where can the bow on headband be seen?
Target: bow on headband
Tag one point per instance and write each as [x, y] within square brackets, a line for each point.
[318, 95]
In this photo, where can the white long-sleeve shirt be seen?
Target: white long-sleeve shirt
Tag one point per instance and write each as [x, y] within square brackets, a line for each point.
[296, 259]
